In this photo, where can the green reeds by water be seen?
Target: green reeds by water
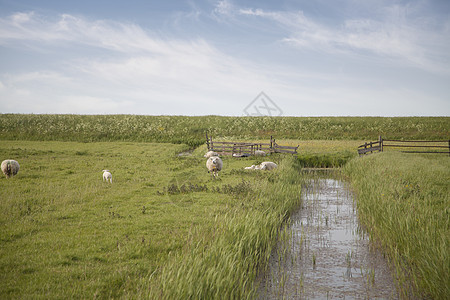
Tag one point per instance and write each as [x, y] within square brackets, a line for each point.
[225, 264]
[403, 201]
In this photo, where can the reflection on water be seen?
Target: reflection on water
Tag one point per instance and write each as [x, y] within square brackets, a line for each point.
[324, 253]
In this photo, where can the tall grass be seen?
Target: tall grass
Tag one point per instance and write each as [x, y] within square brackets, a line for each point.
[403, 201]
[191, 130]
[325, 160]
[224, 264]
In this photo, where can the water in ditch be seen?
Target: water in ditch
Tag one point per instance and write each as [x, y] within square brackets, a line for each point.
[324, 253]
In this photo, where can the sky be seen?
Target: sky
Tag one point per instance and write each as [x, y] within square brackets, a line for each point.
[225, 57]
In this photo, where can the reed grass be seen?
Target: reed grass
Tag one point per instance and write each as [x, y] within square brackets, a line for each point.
[225, 263]
[403, 202]
[191, 130]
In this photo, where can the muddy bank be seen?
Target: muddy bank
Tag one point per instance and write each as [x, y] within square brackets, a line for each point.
[324, 252]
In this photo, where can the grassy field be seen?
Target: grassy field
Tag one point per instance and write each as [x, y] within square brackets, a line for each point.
[66, 233]
[403, 201]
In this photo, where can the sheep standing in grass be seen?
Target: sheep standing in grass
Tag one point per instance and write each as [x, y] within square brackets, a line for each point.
[214, 165]
[107, 176]
[10, 167]
[210, 154]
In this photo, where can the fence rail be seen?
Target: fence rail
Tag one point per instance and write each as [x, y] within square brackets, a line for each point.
[247, 149]
[420, 146]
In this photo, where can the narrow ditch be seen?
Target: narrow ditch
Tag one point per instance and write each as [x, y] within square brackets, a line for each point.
[324, 253]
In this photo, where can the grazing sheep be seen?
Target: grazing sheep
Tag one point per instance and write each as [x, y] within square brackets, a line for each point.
[210, 154]
[107, 176]
[260, 153]
[268, 165]
[214, 165]
[10, 167]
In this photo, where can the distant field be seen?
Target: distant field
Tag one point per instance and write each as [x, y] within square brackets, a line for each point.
[191, 130]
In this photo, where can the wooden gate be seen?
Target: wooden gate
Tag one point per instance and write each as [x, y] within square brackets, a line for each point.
[246, 148]
[405, 146]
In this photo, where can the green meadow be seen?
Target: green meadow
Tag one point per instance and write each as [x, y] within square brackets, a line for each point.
[65, 232]
[165, 229]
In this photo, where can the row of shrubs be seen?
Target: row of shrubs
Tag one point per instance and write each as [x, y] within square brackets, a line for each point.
[191, 130]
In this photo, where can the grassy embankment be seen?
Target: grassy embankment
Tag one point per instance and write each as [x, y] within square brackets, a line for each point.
[403, 201]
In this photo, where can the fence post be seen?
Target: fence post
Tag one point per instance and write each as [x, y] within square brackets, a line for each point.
[448, 147]
[380, 140]
[207, 140]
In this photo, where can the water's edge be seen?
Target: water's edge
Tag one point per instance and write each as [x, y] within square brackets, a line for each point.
[324, 253]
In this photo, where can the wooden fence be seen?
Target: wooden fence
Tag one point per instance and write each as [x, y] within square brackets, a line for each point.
[405, 146]
[247, 149]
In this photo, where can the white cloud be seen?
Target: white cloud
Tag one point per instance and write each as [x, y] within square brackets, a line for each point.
[136, 69]
[414, 40]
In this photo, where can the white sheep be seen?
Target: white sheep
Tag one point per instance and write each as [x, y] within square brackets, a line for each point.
[260, 153]
[214, 165]
[210, 154]
[10, 167]
[107, 176]
[268, 165]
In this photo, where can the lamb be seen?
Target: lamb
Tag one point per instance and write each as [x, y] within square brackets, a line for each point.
[260, 153]
[210, 154]
[214, 165]
[107, 176]
[10, 167]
